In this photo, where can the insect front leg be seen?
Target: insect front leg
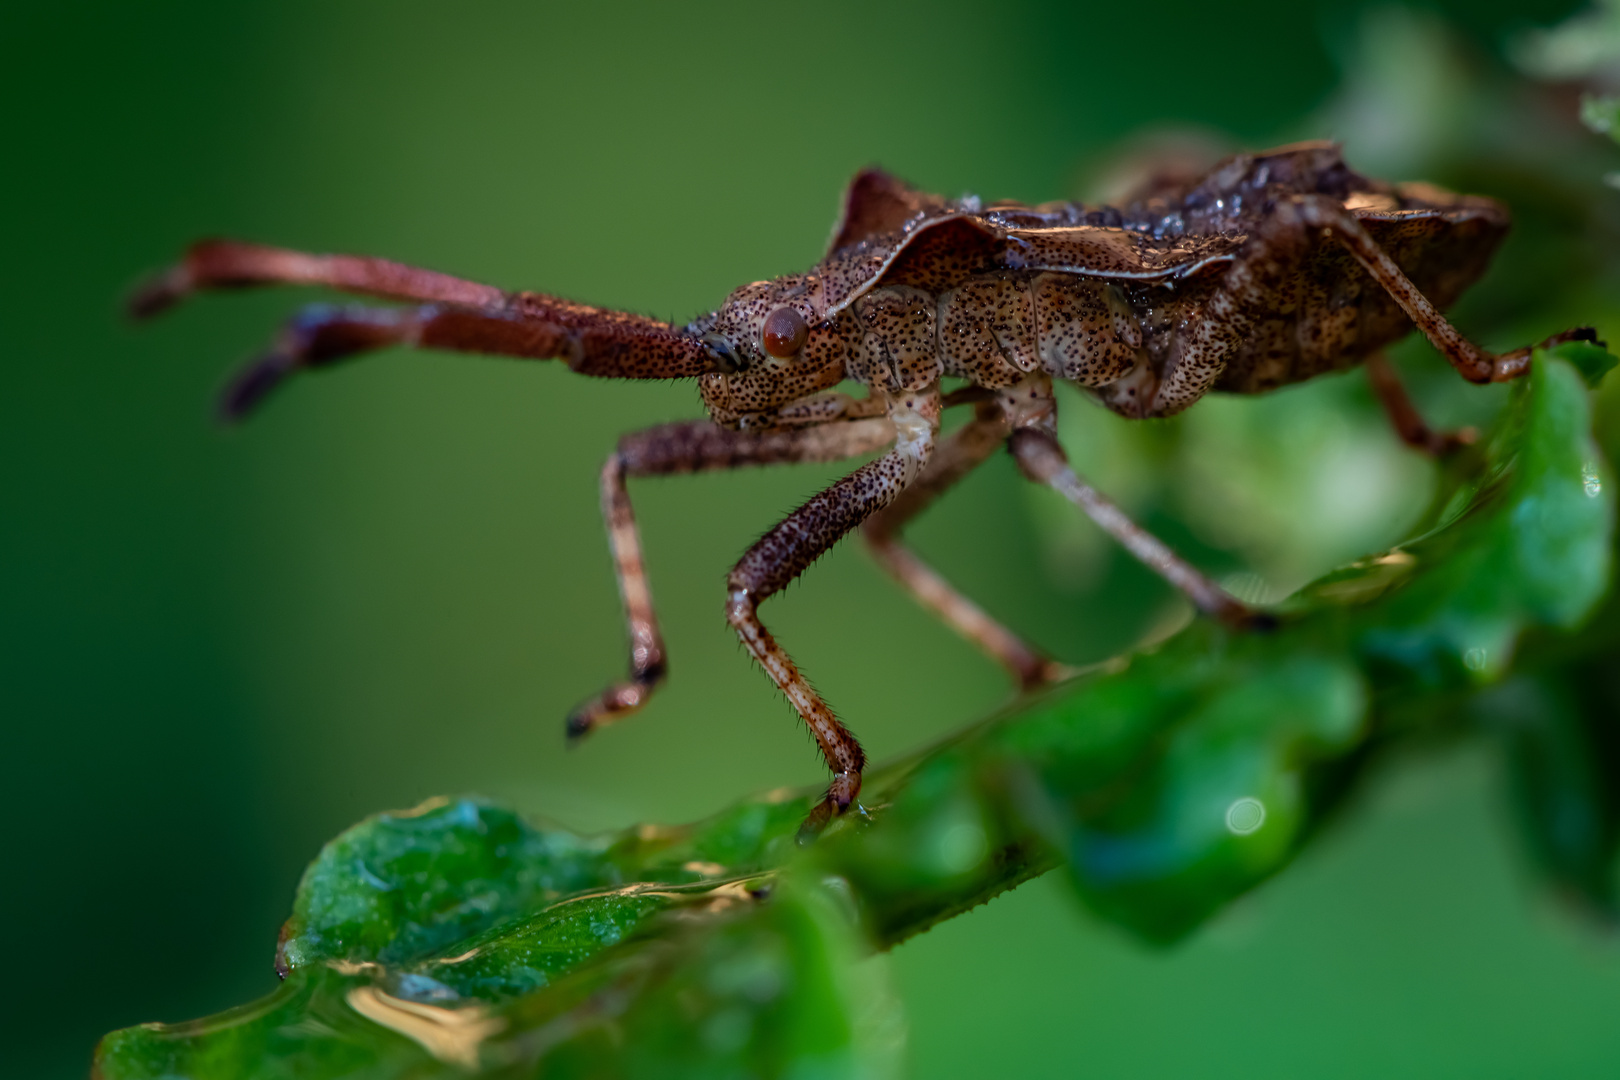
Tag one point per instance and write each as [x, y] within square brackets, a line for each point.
[965, 450]
[688, 447]
[1404, 417]
[1472, 362]
[1041, 458]
[788, 550]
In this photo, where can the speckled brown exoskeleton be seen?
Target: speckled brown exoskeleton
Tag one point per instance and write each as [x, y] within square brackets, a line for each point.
[1268, 270]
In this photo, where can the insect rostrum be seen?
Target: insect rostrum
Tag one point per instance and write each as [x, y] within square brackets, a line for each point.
[1270, 269]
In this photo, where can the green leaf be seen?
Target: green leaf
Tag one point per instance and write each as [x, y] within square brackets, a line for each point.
[461, 939]
[1219, 755]
[1145, 778]
[400, 885]
[1562, 750]
[1592, 361]
[739, 987]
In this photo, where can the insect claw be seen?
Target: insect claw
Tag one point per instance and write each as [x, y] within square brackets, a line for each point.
[1446, 443]
[814, 824]
[577, 727]
[158, 293]
[1512, 365]
[252, 384]
[1237, 615]
[840, 798]
[1261, 622]
[1046, 674]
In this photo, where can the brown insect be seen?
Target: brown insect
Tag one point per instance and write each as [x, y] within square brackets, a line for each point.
[1268, 270]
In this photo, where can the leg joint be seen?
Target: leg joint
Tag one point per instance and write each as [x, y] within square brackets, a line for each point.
[740, 607]
[1039, 456]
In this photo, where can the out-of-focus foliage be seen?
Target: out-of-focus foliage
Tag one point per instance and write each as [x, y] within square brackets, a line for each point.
[1274, 487]
[460, 938]
[1276, 490]
[1585, 48]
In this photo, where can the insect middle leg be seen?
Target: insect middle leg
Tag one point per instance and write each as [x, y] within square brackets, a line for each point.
[1041, 458]
[965, 450]
[688, 447]
[788, 550]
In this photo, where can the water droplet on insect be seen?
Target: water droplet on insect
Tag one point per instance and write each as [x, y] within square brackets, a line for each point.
[1245, 816]
[1591, 482]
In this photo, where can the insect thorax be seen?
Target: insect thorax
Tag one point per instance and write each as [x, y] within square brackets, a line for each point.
[991, 330]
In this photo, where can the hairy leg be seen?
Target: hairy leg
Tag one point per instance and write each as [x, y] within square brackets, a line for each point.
[592, 342]
[965, 450]
[1404, 416]
[788, 550]
[688, 447]
[1471, 361]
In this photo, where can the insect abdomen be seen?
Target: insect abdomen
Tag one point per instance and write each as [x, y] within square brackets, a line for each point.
[1087, 331]
[994, 330]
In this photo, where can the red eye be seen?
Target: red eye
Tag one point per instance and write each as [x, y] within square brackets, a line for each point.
[784, 333]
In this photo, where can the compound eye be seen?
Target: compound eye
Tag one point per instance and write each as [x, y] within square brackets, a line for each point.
[784, 334]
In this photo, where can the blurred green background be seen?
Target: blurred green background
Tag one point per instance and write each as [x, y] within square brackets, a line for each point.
[221, 648]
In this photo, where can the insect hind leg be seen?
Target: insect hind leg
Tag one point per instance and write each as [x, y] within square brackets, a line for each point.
[1041, 458]
[1404, 417]
[965, 450]
[1472, 362]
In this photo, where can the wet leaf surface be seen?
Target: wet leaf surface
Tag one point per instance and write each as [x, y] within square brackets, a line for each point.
[460, 938]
